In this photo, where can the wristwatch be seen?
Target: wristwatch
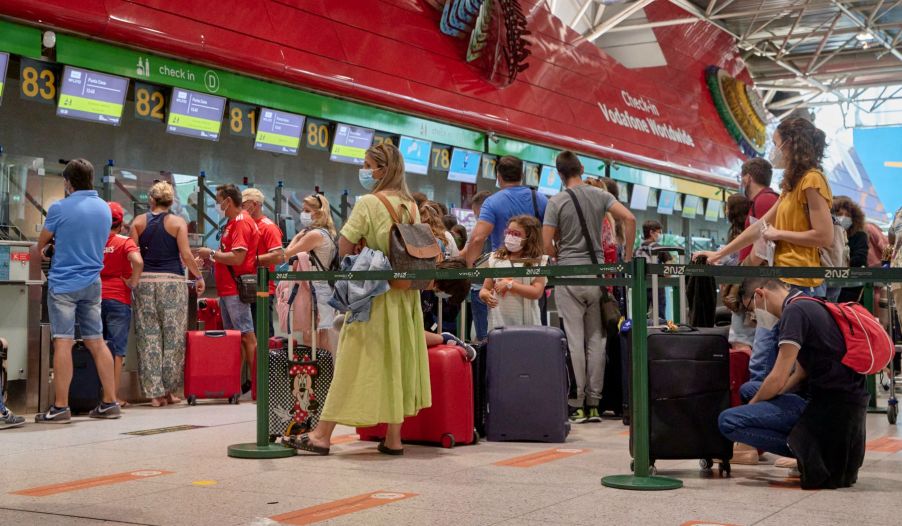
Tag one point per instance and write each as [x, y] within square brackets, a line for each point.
[510, 284]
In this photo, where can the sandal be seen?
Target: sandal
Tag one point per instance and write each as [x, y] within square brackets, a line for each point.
[303, 443]
[389, 451]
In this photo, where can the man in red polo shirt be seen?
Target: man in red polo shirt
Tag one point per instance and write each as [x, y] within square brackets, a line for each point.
[270, 239]
[755, 177]
[238, 249]
[122, 266]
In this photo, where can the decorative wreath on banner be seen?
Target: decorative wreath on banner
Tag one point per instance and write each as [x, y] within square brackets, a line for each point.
[496, 31]
[741, 110]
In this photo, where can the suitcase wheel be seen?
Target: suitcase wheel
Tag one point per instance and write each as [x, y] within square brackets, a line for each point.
[475, 436]
[706, 464]
[233, 399]
[892, 411]
[652, 470]
[192, 400]
[723, 469]
[448, 441]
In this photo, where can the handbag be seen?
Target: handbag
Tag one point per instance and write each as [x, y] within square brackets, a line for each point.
[247, 286]
[411, 246]
[610, 311]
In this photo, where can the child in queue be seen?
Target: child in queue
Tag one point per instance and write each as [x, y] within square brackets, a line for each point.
[515, 301]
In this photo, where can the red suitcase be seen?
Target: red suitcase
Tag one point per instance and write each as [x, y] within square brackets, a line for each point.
[213, 366]
[449, 421]
[739, 374]
[209, 314]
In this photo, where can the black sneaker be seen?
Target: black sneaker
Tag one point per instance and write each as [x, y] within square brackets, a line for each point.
[110, 411]
[246, 387]
[8, 419]
[54, 415]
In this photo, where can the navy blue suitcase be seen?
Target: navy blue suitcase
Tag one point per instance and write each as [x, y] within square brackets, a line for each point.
[85, 391]
[527, 385]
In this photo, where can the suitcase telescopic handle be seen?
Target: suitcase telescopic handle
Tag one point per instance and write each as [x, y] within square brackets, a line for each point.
[215, 334]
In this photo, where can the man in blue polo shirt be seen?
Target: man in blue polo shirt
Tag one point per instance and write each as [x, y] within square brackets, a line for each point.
[78, 226]
[512, 200]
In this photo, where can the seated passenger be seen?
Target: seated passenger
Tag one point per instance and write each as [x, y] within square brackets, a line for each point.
[811, 406]
[515, 301]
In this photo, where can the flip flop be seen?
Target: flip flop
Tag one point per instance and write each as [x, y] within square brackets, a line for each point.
[303, 443]
[389, 451]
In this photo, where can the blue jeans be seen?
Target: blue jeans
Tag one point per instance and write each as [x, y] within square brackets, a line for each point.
[117, 319]
[763, 425]
[80, 307]
[480, 315]
[2, 407]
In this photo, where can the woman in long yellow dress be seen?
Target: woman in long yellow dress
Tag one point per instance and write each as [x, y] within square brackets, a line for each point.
[381, 369]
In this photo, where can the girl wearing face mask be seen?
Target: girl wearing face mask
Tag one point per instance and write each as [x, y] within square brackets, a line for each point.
[515, 301]
[850, 216]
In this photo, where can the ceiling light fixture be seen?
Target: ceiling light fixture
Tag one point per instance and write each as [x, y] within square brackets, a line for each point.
[864, 36]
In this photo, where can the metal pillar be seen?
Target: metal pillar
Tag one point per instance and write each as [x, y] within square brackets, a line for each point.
[108, 181]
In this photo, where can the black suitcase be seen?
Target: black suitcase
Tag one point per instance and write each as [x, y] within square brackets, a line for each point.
[85, 391]
[527, 385]
[612, 393]
[689, 386]
[479, 393]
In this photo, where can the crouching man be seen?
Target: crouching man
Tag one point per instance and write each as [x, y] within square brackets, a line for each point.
[811, 406]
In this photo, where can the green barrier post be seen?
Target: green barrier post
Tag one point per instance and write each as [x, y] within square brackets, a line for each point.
[262, 449]
[640, 479]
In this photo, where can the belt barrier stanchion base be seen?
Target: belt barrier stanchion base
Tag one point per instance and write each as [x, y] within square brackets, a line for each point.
[262, 448]
[640, 479]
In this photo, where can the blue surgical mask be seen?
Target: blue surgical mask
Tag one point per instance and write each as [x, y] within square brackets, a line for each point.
[367, 181]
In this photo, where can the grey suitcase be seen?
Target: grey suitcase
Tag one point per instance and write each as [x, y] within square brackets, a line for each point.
[527, 385]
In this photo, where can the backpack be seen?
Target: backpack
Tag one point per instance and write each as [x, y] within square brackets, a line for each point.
[868, 347]
[411, 246]
[334, 263]
[837, 254]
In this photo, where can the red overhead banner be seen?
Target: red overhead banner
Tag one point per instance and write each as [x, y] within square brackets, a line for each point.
[392, 53]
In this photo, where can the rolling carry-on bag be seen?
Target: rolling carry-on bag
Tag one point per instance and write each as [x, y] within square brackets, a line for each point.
[739, 374]
[688, 386]
[527, 385]
[85, 391]
[479, 395]
[300, 375]
[449, 421]
[213, 366]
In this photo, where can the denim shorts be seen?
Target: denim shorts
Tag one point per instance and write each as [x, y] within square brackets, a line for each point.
[236, 315]
[80, 307]
[117, 319]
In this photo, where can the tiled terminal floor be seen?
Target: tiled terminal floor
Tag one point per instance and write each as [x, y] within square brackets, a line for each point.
[185, 478]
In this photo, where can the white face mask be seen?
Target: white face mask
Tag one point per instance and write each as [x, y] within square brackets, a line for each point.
[844, 221]
[513, 243]
[778, 158]
[306, 219]
[765, 319]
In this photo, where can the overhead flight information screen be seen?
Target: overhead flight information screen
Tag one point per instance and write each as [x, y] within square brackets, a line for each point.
[351, 144]
[91, 96]
[195, 114]
[279, 132]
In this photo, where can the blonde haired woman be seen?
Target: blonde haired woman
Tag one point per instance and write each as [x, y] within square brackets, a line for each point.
[161, 298]
[318, 240]
[381, 369]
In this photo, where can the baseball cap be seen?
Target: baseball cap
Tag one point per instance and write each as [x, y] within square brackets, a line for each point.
[117, 212]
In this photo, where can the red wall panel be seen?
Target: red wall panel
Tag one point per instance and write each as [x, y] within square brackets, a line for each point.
[392, 53]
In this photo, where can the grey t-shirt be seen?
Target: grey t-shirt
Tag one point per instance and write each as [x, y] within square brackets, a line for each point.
[561, 214]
